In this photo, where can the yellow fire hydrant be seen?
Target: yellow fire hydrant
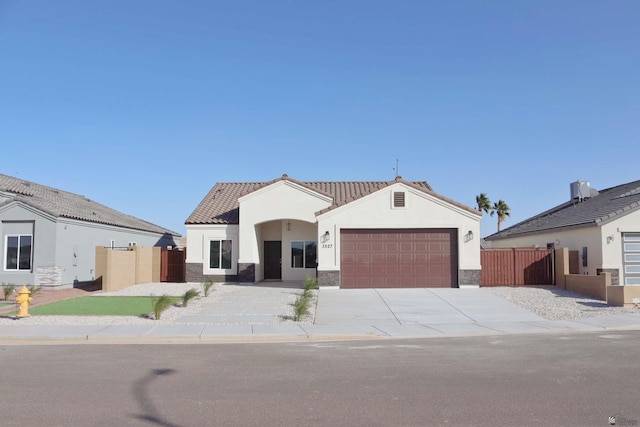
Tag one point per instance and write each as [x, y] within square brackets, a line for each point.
[23, 299]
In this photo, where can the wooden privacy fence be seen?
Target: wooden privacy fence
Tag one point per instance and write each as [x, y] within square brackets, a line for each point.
[172, 265]
[516, 267]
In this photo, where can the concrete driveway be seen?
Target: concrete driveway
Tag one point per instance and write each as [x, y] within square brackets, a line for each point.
[415, 306]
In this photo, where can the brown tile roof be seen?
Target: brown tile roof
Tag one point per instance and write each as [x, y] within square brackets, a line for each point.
[220, 205]
[59, 203]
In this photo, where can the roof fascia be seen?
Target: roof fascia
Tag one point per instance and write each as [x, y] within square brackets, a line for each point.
[448, 203]
[11, 203]
[102, 226]
[414, 189]
[287, 182]
[545, 231]
[210, 226]
[617, 214]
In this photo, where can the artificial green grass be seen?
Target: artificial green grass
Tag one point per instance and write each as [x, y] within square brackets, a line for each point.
[98, 306]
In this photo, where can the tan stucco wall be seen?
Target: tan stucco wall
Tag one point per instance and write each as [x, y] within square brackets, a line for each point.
[155, 264]
[594, 286]
[147, 264]
[115, 269]
[118, 269]
[561, 266]
[623, 295]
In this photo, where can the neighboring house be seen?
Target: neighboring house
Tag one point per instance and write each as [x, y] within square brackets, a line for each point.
[49, 236]
[600, 228]
[351, 234]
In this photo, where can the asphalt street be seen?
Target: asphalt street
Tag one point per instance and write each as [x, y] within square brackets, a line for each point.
[558, 379]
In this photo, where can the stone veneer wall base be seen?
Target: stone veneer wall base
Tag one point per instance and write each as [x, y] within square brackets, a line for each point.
[329, 278]
[469, 278]
[247, 272]
[194, 274]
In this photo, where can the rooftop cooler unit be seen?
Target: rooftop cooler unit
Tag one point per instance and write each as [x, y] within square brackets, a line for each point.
[581, 190]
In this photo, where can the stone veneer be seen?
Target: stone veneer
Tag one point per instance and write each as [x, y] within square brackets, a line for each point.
[329, 278]
[48, 276]
[615, 275]
[469, 277]
[247, 272]
[194, 273]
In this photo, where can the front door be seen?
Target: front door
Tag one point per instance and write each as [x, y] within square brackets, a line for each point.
[272, 260]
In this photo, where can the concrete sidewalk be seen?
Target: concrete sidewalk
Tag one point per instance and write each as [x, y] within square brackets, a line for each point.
[247, 313]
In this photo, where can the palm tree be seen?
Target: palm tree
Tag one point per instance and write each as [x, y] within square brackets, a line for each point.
[502, 209]
[483, 202]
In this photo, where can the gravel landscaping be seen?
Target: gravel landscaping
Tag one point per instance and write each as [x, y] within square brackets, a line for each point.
[546, 301]
[217, 293]
[557, 304]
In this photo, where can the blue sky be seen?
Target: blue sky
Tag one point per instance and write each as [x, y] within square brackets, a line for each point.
[145, 105]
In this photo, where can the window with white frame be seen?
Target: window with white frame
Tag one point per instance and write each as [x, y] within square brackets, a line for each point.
[18, 250]
[220, 252]
[303, 254]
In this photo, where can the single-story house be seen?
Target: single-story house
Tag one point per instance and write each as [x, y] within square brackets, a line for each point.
[49, 236]
[600, 228]
[349, 234]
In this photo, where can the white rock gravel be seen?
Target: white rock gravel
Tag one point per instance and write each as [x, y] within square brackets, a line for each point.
[217, 293]
[557, 304]
[546, 301]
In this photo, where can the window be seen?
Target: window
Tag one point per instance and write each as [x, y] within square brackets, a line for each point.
[398, 199]
[220, 254]
[18, 252]
[303, 254]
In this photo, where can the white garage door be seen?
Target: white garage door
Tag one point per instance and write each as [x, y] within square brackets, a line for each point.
[631, 258]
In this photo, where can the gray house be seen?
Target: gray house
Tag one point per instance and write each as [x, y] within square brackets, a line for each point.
[49, 236]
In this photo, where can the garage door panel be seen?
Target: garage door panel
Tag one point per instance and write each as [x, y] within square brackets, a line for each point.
[391, 247]
[406, 247]
[377, 246]
[399, 258]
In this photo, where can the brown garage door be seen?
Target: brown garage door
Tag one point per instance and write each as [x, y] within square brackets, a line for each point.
[399, 258]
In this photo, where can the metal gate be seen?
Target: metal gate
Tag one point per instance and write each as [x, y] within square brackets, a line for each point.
[172, 265]
[516, 267]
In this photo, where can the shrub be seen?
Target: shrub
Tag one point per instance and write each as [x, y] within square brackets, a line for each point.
[301, 307]
[307, 293]
[8, 289]
[189, 295]
[34, 289]
[310, 283]
[160, 304]
[207, 287]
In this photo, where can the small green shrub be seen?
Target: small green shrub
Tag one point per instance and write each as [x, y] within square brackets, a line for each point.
[189, 295]
[34, 289]
[8, 289]
[207, 287]
[310, 283]
[161, 304]
[301, 307]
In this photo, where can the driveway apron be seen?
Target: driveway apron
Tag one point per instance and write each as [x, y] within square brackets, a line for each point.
[415, 306]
